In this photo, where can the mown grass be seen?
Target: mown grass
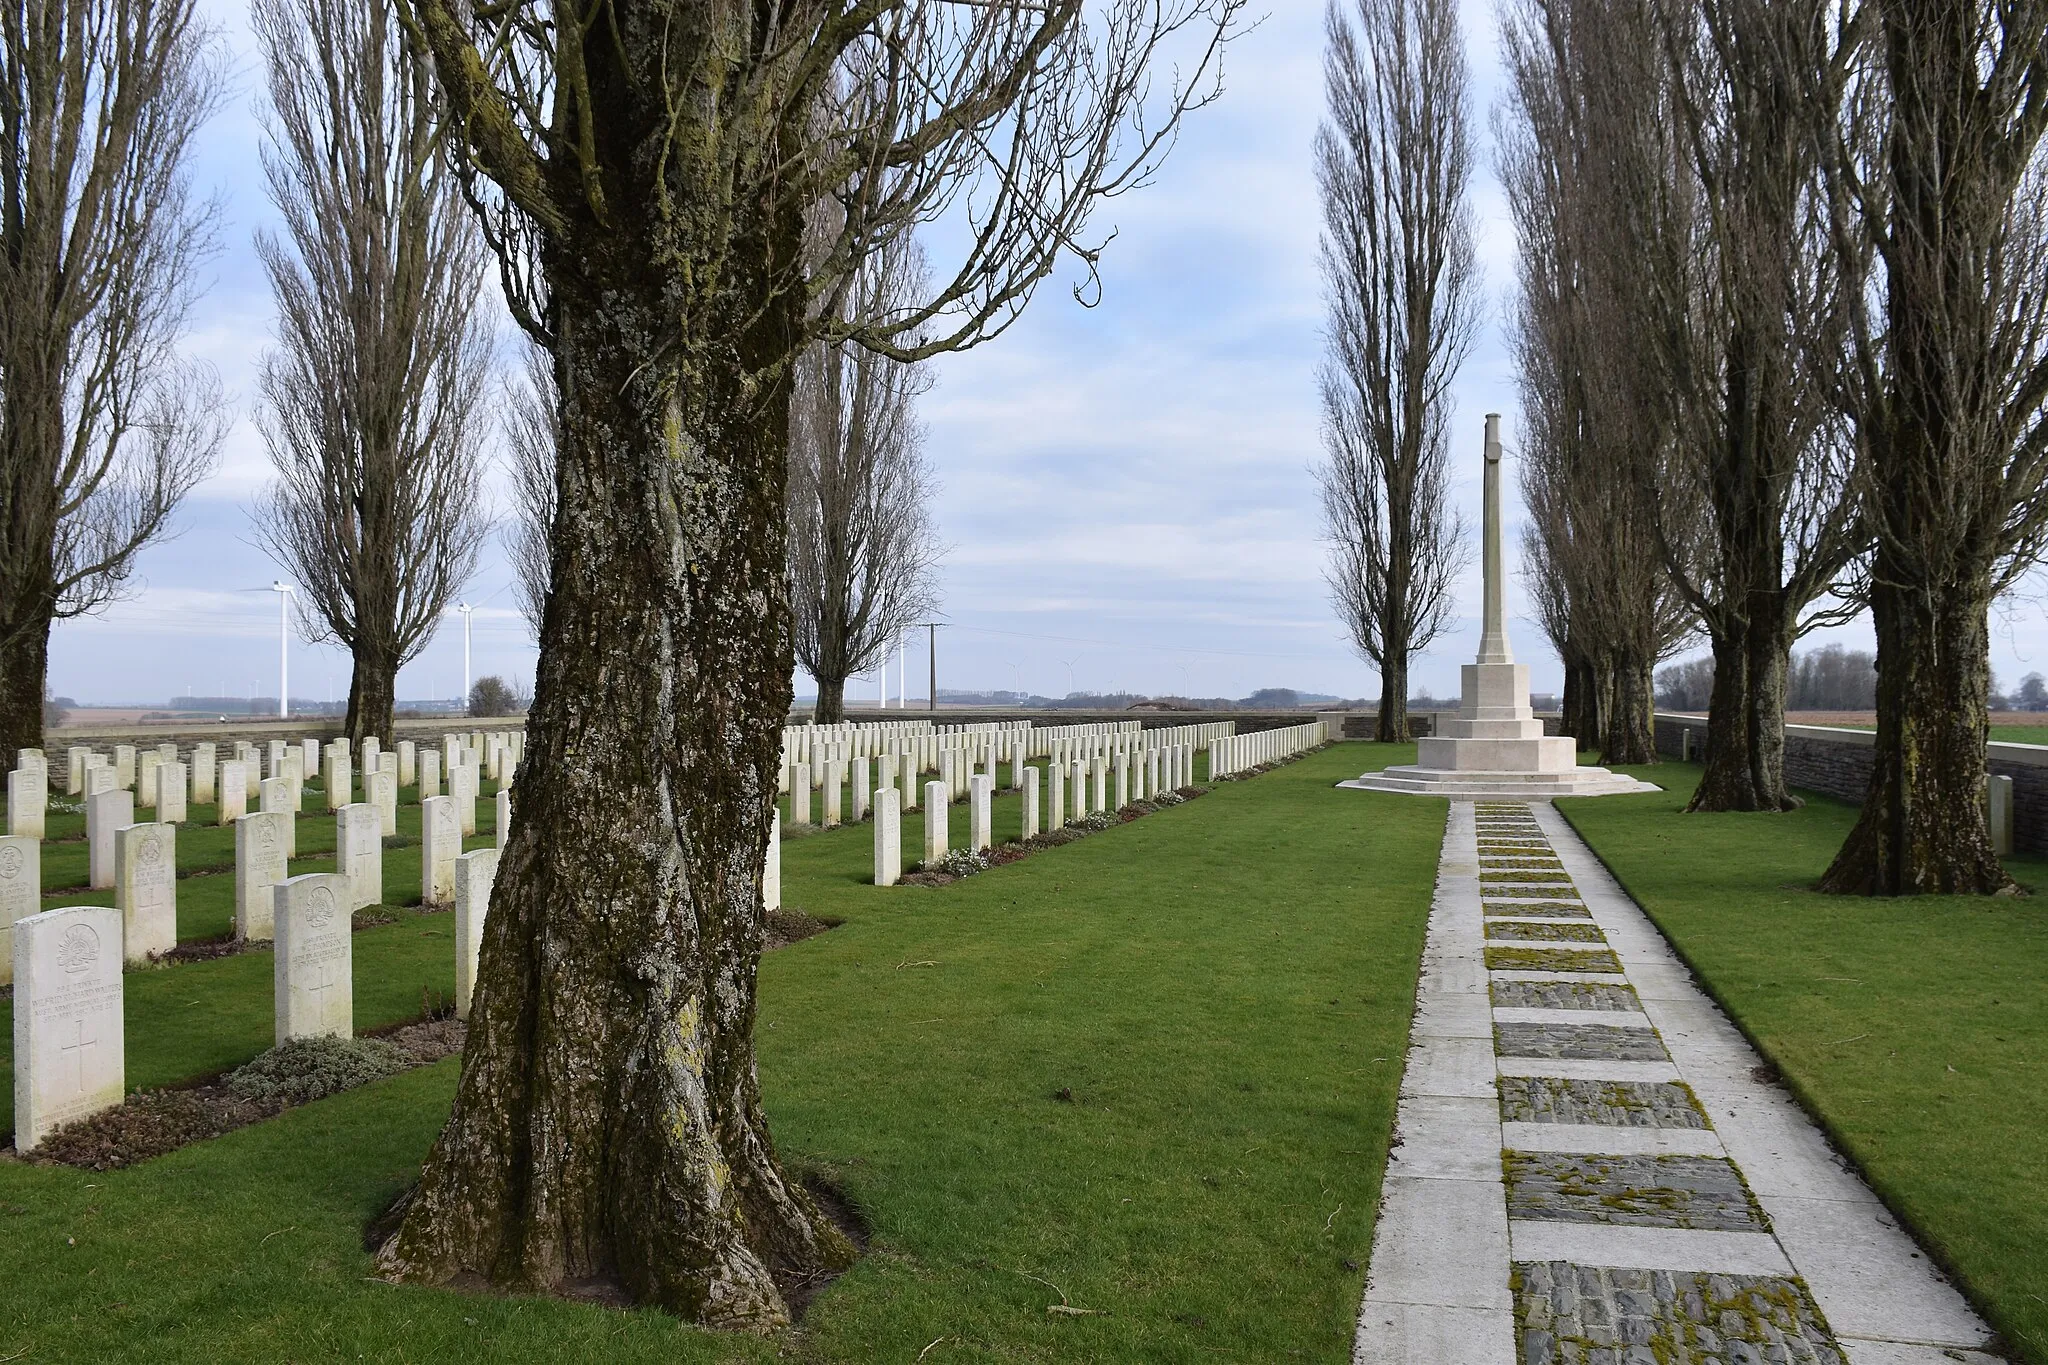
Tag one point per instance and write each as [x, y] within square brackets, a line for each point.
[1915, 1029]
[1155, 1068]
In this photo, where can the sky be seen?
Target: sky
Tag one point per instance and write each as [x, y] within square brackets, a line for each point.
[1126, 490]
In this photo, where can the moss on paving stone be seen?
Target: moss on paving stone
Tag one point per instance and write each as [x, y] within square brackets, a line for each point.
[1696, 1193]
[1551, 960]
[1565, 995]
[1567, 1314]
[1545, 933]
[1622, 1104]
[1526, 878]
[1525, 892]
[1537, 909]
[1587, 1042]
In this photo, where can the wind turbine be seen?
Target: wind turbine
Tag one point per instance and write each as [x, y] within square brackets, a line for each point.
[284, 690]
[465, 608]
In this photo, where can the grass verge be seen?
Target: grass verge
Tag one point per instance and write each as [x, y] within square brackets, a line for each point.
[1915, 1030]
[1150, 1074]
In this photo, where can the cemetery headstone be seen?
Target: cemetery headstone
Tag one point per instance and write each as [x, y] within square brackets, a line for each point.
[277, 800]
[429, 774]
[464, 786]
[146, 764]
[170, 793]
[980, 790]
[771, 866]
[105, 813]
[501, 823]
[260, 864]
[938, 815]
[857, 789]
[888, 836]
[234, 794]
[21, 891]
[204, 773]
[28, 802]
[124, 766]
[835, 778]
[440, 845]
[380, 791]
[313, 974]
[1030, 826]
[406, 750]
[340, 780]
[69, 1057]
[146, 889]
[474, 874]
[359, 852]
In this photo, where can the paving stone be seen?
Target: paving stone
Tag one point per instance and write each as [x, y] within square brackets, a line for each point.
[1528, 893]
[1500, 958]
[1564, 995]
[1696, 1193]
[1511, 931]
[1531, 878]
[1624, 1104]
[1546, 909]
[1567, 1314]
[1590, 1042]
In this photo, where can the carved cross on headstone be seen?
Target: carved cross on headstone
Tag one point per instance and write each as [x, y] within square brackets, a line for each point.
[79, 1048]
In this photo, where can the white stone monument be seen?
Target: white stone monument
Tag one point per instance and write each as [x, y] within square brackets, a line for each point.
[406, 751]
[146, 889]
[440, 846]
[313, 972]
[380, 790]
[1030, 825]
[21, 891]
[170, 793]
[474, 875]
[68, 1049]
[234, 793]
[429, 774]
[888, 836]
[980, 793]
[105, 813]
[359, 852]
[28, 802]
[937, 815]
[260, 864]
[277, 800]
[1495, 747]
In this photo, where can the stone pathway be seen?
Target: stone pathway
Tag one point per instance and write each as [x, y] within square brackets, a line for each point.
[1590, 1165]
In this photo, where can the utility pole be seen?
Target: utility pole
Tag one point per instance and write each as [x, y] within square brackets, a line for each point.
[284, 688]
[932, 639]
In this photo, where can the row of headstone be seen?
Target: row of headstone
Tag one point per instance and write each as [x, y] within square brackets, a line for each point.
[1235, 753]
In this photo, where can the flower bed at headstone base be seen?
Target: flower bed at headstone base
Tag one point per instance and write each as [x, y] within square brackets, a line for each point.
[962, 862]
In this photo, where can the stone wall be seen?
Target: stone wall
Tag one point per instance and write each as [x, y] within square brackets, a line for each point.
[1835, 762]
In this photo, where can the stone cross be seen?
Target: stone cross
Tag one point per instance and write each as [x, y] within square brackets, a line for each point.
[359, 852]
[313, 969]
[146, 889]
[260, 864]
[474, 875]
[104, 814]
[440, 845]
[21, 891]
[68, 1047]
[888, 836]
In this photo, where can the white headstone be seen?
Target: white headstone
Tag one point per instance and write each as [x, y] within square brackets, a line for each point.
[771, 865]
[359, 852]
[146, 889]
[440, 845]
[294, 775]
[68, 1048]
[1030, 826]
[124, 766]
[835, 778]
[937, 815]
[799, 795]
[980, 790]
[260, 864]
[309, 756]
[100, 777]
[74, 785]
[339, 777]
[406, 750]
[501, 817]
[857, 789]
[277, 800]
[104, 814]
[1056, 802]
[234, 793]
[204, 774]
[313, 973]
[146, 764]
[474, 874]
[170, 793]
[888, 836]
[380, 790]
[21, 891]
[429, 774]
[28, 802]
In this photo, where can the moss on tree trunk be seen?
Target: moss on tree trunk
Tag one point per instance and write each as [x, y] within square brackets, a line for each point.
[1744, 763]
[1393, 720]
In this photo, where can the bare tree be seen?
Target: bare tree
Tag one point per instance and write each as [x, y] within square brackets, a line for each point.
[371, 395]
[1393, 159]
[1592, 408]
[103, 428]
[645, 168]
[863, 549]
[533, 432]
[1941, 226]
[1730, 268]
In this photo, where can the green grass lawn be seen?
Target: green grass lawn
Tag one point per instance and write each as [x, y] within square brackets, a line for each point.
[1155, 1068]
[1915, 1029]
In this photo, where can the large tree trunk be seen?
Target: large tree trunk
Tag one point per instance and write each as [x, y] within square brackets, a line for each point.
[1582, 702]
[1922, 829]
[1630, 718]
[831, 707]
[1744, 765]
[372, 695]
[24, 672]
[608, 1123]
[1393, 722]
